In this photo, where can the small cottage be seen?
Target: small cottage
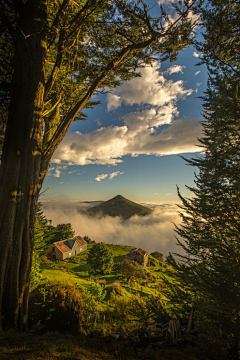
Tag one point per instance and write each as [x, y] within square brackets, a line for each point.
[64, 249]
[139, 255]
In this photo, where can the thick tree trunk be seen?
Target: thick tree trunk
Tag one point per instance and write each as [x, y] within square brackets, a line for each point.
[21, 174]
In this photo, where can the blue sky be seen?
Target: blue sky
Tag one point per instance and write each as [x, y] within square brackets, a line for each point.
[130, 143]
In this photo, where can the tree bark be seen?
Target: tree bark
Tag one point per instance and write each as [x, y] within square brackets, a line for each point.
[20, 174]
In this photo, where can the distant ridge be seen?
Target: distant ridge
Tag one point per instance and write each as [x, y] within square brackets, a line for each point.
[119, 206]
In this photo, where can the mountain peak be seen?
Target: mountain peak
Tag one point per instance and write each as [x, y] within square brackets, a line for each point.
[118, 198]
[119, 206]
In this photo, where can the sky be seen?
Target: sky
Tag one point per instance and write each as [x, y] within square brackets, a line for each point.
[132, 145]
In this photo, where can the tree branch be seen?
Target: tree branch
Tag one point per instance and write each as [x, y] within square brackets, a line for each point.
[70, 116]
[47, 112]
[57, 65]
[56, 22]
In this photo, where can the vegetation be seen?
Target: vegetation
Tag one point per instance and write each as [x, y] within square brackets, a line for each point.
[119, 206]
[57, 306]
[210, 275]
[132, 271]
[100, 259]
[57, 56]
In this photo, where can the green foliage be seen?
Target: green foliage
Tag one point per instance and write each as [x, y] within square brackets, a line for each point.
[39, 246]
[132, 271]
[60, 232]
[87, 239]
[45, 234]
[100, 259]
[97, 291]
[210, 219]
[58, 305]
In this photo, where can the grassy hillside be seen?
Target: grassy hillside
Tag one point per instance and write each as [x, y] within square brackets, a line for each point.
[77, 270]
[119, 206]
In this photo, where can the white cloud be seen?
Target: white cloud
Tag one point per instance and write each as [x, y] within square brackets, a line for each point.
[151, 88]
[152, 233]
[61, 183]
[110, 176]
[114, 101]
[140, 136]
[175, 69]
[57, 173]
[196, 54]
[197, 72]
[142, 131]
[71, 172]
[101, 177]
[114, 174]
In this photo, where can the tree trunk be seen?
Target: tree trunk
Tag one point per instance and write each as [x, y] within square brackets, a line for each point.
[21, 174]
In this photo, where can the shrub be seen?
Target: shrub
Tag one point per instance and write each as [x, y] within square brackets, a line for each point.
[116, 287]
[102, 282]
[46, 261]
[58, 305]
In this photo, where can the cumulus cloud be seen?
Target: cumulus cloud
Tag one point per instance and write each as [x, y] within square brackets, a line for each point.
[57, 173]
[152, 233]
[107, 146]
[151, 88]
[101, 177]
[142, 131]
[175, 69]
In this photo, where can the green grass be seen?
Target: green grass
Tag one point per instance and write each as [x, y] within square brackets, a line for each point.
[78, 272]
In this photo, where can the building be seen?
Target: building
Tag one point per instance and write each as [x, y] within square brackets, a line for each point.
[64, 249]
[139, 255]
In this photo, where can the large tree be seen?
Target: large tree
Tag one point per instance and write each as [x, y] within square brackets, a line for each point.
[57, 55]
[211, 218]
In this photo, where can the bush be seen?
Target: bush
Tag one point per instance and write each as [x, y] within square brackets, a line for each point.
[102, 282]
[45, 261]
[116, 287]
[58, 305]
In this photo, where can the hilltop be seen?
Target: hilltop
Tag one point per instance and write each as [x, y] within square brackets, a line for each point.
[119, 206]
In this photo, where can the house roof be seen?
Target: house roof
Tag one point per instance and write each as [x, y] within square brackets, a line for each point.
[67, 244]
[132, 253]
[141, 251]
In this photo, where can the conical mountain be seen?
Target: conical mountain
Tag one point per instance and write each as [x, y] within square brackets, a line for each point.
[119, 206]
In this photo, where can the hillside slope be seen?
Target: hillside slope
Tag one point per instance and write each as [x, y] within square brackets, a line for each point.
[119, 206]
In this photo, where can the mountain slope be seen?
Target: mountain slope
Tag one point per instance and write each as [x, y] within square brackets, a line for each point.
[119, 206]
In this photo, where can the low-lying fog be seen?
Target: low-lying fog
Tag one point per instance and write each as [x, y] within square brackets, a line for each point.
[154, 232]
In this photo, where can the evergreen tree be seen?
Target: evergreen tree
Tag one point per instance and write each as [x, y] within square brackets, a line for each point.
[210, 230]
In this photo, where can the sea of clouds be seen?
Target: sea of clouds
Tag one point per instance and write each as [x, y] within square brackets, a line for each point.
[154, 232]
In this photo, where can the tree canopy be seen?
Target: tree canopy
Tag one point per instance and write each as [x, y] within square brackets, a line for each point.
[100, 258]
[210, 227]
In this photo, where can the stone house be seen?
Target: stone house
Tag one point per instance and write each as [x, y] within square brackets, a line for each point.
[139, 255]
[64, 249]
